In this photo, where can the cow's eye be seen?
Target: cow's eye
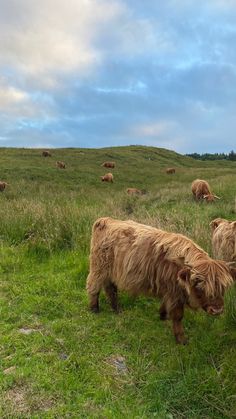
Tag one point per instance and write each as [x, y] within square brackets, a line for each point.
[199, 292]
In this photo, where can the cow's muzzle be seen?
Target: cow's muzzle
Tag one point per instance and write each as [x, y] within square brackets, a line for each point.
[214, 311]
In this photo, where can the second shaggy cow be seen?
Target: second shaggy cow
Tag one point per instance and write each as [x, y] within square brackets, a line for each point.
[224, 239]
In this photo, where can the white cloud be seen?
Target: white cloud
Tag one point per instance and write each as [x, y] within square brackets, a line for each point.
[152, 129]
[47, 36]
[10, 95]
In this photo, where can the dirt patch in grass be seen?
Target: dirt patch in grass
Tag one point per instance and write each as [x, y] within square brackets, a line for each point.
[19, 401]
[16, 398]
[119, 363]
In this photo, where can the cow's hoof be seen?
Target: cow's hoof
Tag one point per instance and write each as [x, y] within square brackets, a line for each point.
[181, 340]
[94, 310]
[116, 310]
[163, 316]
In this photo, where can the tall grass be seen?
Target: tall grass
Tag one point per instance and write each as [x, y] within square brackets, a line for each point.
[64, 367]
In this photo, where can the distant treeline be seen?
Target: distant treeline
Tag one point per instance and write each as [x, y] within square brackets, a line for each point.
[215, 156]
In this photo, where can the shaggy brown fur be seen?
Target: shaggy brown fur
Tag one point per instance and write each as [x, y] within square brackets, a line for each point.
[107, 178]
[109, 164]
[224, 239]
[46, 153]
[201, 190]
[3, 186]
[140, 259]
[170, 170]
[61, 164]
[134, 191]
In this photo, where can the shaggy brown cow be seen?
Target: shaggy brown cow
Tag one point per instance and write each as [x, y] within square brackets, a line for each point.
[61, 164]
[170, 170]
[224, 239]
[109, 164]
[134, 191]
[46, 153]
[107, 178]
[3, 186]
[201, 190]
[140, 259]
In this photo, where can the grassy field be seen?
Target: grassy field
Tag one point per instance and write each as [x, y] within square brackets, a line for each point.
[57, 359]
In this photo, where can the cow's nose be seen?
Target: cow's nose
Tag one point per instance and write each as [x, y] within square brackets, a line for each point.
[215, 311]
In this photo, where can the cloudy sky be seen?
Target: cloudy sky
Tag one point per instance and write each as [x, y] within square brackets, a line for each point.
[95, 73]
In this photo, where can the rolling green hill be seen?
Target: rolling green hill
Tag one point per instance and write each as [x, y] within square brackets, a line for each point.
[57, 359]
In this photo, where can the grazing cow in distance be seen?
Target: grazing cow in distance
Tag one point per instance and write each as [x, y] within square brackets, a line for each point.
[224, 239]
[134, 191]
[107, 178]
[108, 164]
[170, 170]
[3, 186]
[140, 259]
[46, 153]
[201, 190]
[61, 164]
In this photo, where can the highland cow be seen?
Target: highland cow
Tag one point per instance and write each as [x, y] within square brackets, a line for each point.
[134, 191]
[224, 239]
[107, 178]
[109, 164]
[170, 170]
[201, 190]
[46, 153]
[61, 164]
[3, 186]
[140, 259]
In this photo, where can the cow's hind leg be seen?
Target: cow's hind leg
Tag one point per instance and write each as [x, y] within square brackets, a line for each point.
[94, 285]
[111, 292]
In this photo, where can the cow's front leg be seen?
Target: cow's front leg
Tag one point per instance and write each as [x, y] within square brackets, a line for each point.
[176, 314]
[163, 312]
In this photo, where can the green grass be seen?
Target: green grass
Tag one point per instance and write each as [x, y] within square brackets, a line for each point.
[64, 366]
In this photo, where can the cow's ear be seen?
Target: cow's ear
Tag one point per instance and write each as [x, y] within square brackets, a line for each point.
[232, 268]
[215, 223]
[184, 274]
[184, 277]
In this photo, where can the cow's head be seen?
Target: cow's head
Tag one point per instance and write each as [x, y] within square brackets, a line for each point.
[210, 197]
[205, 284]
[102, 178]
